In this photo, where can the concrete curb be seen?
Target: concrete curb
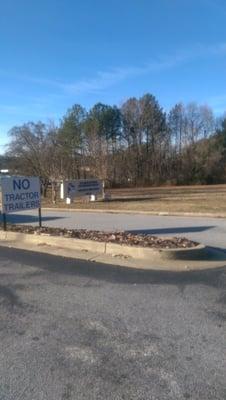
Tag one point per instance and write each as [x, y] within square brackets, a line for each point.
[199, 252]
[178, 260]
[56, 241]
[159, 213]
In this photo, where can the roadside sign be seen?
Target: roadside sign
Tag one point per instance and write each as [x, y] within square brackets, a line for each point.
[81, 187]
[20, 194]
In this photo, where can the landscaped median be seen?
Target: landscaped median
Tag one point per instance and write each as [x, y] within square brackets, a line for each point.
[121, 248]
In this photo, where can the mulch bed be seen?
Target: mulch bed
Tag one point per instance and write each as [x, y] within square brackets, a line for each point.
[130, 239]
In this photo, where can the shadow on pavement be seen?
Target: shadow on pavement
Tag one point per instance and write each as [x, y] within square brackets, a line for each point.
[54, 266]
[26, 219]
[164, 231]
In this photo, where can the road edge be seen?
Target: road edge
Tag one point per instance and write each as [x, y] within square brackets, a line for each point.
[158, 213]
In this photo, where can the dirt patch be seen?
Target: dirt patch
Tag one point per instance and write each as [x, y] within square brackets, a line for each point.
[118, 237]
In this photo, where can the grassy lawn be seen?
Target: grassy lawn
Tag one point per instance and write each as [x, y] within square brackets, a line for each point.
[204, 199]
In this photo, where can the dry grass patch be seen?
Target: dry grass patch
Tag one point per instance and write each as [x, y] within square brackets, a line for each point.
[194, 199]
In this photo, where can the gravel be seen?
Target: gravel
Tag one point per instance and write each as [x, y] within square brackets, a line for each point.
[118, 237]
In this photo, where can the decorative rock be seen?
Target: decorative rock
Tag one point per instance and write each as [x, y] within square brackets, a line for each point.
[108, 237]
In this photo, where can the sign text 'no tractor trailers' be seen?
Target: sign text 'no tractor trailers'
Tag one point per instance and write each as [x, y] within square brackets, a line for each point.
[20, 194]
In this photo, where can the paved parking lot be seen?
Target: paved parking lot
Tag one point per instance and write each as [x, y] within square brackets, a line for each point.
[209, 231]
[73, 329]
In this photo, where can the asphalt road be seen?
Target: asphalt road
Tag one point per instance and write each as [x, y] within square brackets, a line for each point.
[209, 231]
[72, 329]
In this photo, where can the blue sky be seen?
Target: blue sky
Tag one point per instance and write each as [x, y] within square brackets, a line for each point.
[54, 53]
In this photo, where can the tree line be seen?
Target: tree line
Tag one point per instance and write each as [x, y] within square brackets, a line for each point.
[133, 145]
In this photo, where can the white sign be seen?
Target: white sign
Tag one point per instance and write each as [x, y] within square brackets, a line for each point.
[81, 187]
[20, 193]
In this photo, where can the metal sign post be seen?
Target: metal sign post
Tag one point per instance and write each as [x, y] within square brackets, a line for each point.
[40, 217]
[4, 222]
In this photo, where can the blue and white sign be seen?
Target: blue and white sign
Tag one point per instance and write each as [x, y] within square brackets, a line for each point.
[81, 187]
[20, 193]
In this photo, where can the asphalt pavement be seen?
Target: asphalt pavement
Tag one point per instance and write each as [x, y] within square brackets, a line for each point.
[73, 329]
[209, 231]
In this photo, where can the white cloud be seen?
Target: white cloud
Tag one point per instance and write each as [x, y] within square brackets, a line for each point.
[106, 79]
